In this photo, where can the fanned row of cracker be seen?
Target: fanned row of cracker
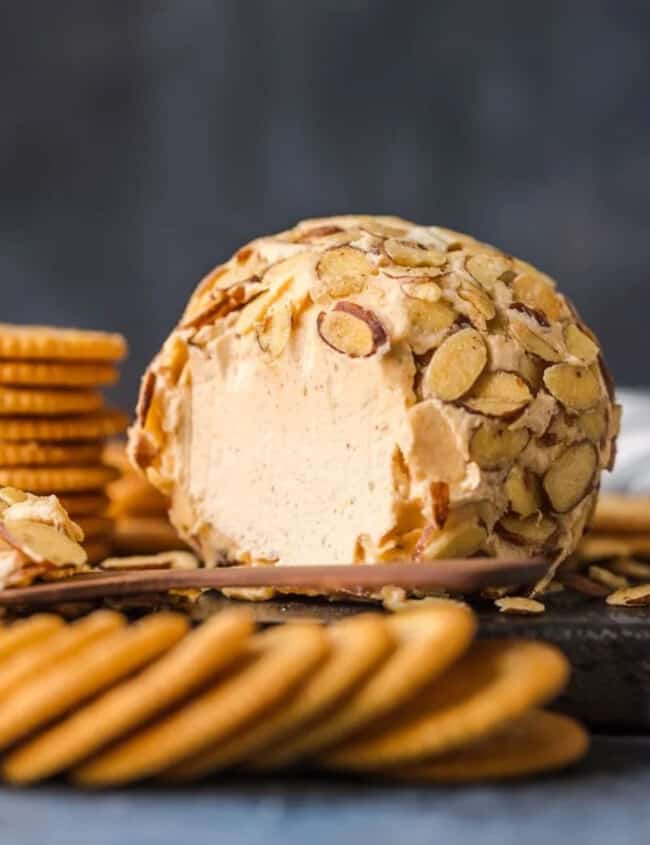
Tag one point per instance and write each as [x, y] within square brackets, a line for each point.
[54, 423]
[408, 696]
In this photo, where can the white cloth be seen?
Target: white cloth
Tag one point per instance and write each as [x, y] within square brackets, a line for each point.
[632, 470]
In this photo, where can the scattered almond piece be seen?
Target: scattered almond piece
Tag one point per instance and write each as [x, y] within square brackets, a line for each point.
[607, 578]
[518, 604]
[638, 596]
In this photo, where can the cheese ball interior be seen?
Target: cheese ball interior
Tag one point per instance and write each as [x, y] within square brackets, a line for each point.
[363, 389]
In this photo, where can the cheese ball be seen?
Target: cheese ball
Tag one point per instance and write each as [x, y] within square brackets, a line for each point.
[365, 389]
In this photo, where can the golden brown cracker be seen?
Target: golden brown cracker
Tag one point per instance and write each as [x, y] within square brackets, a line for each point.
[495, 682]
[68, 479]
[86, 673]
[429, 639]
[357, 646]
[84, 504]
[52, 343]
[97, 550]
[94, 426]
[621, 514]
[142, 535]
[53, 374]
[134, 496]
[537, 742]
[603, 546]
[26, 632]
[17, 401]
[276, 661]
[191, 663]
[46, 652]
[33, 453]
[95, 527]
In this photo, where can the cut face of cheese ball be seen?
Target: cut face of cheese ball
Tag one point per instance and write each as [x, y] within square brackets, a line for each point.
[364, 389]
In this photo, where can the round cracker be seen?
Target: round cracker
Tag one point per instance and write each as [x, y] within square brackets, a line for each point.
[97, 550]
[34, 453]
[67, 640]
[84, 504]
[616, 513]
[429, 638]
[26, 632]
[177, 674]
[357, 646]
[50, 343]
[133, 496]
[145, 534]
[603, 546]
[44, 480]
[537, 742]
[495, 682]
[86, 673]
[51, 374]
[95, 426]
[275, 662]
[95, 527]
[53, 403]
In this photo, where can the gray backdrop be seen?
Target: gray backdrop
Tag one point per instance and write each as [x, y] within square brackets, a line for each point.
[142, 142]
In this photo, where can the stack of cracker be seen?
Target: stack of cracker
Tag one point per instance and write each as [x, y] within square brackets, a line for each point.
[139, 511]
[613, 559]
[53, 421]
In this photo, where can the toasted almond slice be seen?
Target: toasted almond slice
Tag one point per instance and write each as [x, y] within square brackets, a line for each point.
[520, 605]
[487, 268]
[252, 313]
[274, 331]
[344, 271]
[439, 502]
[42, 543]
[494, 445]
[593, 424]
[570, 477]
[636, 569]
[427, 321]
[537, 291]
[533, 342]
[582, 584]
[638, 596]
[383, 230]
[499, 394]
[456, 365]
[532, 530]
[577, 388]
[460, 540]
[524, 491]
[423, 288]
[351, 330]
[607, 578]
[580, 345]
[413, 254]
[479, 299]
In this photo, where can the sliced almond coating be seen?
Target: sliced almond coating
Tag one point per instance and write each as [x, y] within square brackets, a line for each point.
[351, 330]
[580, 345]
[631, 596]
[499, 395]
[344, 271]
[460, 540]
[532, 342]
[494, 445]
[426, 321]
[577, 388]
[274, 331]
[533, 531]
[537, 291]
[479, 299]
[571, 476]
[456, 365]
[413, 254]
[383, 230]
[255, 311]
[593, 424]
[520, 604]
[524, 492]
[425, 289]
[42, 543]
[439, 502]
[487, 268]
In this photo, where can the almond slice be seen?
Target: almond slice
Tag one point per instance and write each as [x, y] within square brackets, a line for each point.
[487, 268]
[456, 365]
[532, 342]
[524, 491]
[580, 345]
[530, 531]
[461, 540]
[593, 424]
[479, 299]
[383, 230]
[499, 394]
[344, 271]
[413, 254]
[520, 605]
[577, 388]
[274, 331]
[42, 543]
[427, 320]
[631, 596]
[351, 330]
[571, 476]
[439, 502]
[424, 288]
[537, 291]
[494, 445]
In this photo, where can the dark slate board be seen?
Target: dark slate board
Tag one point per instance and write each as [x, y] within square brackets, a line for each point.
[609, 649]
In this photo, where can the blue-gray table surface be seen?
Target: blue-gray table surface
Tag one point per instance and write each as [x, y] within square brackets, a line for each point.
[604, 800]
